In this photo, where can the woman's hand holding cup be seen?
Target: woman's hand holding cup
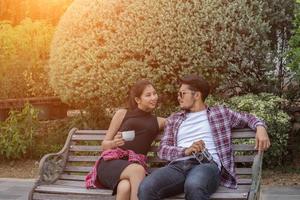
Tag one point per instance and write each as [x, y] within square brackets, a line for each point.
[118, 140]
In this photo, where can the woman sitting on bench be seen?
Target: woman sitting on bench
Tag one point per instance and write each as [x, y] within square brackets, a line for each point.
[121, 167]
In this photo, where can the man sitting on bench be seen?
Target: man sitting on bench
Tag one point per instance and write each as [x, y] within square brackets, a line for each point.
[197, 141]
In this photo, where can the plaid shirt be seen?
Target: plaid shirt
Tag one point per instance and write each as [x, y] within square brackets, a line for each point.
[91, 180]
[221, 120]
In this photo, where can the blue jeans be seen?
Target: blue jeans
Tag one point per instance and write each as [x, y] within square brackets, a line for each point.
[197, 181]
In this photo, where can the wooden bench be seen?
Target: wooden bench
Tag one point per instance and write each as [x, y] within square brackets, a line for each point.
[62, 174]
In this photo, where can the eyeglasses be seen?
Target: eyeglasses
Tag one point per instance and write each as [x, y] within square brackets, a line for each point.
[182, 93]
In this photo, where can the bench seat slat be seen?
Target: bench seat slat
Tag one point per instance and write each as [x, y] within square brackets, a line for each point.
[241, 181]
[47, 196]
[80, 184]
[219, 196]
[222, 192]
[72, 177]
[52, 196]
[85, 169]
[70, 190]
[239, 171]
[244, 181]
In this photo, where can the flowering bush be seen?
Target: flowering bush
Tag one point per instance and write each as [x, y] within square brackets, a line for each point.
[102, 47]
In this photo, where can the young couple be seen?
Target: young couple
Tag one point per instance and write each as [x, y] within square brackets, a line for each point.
[122, 166]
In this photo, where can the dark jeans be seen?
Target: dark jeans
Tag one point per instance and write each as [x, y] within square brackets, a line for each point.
[197, 181]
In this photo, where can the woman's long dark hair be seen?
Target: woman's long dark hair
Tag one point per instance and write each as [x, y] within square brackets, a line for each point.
[137, 91]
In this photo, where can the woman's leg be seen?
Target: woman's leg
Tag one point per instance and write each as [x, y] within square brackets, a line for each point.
[123, 190]
[135, 173]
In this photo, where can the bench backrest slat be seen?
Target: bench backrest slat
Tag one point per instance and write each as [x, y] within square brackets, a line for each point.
[79, 148]
[235, 147]
[87, 132]
[83, 158]
[88, 137]
[237, 159]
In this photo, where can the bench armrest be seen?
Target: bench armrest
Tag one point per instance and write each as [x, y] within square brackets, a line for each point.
[256, 177]
[52, 165]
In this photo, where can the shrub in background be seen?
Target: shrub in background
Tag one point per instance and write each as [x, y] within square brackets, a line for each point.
[102, 47]
[294, 53]
[51, 135]
[269, 108]
[24, 51]
[293, 57]
[280, 14]
[17, 133]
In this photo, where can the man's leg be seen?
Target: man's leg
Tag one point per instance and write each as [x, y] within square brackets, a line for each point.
[202, 181]
[164, 182]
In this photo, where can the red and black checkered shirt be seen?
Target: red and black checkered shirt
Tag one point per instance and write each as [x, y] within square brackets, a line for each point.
[221, 120]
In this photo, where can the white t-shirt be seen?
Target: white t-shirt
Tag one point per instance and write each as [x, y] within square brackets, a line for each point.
[196, 127]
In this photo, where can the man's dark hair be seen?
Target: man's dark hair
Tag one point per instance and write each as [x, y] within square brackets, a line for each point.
[197, 83]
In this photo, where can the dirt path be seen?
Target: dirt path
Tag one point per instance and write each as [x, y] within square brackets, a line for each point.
[19, 169]
[277, 177]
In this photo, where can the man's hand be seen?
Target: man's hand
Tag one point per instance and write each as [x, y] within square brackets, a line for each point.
[197, 146]
[262, 141]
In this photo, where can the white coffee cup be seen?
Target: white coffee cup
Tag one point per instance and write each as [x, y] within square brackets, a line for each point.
[128, 135]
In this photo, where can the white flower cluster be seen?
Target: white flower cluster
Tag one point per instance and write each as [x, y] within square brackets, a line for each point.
[102, 46]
